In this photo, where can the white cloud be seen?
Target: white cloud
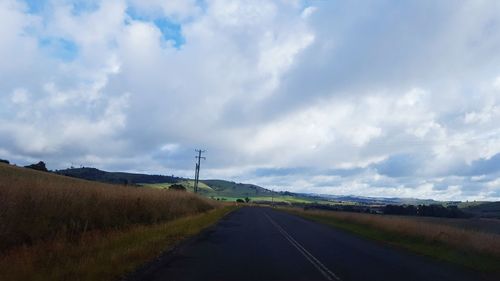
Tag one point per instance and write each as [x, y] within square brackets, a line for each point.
[308, 11]
[170, 147]
[272, 84]
[19, 96]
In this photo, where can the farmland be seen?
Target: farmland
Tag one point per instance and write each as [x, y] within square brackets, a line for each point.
[230, 191]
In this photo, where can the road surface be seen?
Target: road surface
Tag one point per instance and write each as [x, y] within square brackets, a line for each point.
[265, 244]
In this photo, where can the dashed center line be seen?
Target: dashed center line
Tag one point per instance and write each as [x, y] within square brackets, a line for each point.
[327, 273]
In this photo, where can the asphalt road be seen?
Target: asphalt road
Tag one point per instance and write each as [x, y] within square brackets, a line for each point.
[265, 244]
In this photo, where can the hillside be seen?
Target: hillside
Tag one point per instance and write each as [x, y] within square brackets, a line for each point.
[54, 227]
[222, 190]
[379, 200]
[94, 174]
[231, 191]
[229, 188]
[188, 184]
[226, 190]
[37, 205]
[484, 210]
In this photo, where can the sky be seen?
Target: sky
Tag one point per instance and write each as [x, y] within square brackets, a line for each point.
[368, 98]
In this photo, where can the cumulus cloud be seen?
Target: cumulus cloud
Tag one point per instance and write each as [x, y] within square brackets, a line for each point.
[356, 97]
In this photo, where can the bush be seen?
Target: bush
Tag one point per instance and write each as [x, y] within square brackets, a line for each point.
[177, 187]
[40, 166]
[434, 210]
[240, 200]
[4, 161]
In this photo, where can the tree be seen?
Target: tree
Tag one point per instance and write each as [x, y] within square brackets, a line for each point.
[178, 187]
[240, 200]
[40, 166]
[247, 199]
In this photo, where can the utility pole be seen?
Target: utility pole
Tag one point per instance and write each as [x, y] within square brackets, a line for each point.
[197, 170]
[272, 197]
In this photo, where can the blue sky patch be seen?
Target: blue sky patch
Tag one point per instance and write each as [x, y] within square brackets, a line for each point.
[36, 6]
[399, 165]
[170, 30]
[84, 6]
[484, 166]
[60, 48]
[78, 6]
[135, 14]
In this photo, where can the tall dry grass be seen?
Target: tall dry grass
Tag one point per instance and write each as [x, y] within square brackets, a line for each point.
[99, 255]
[460, 238]
[36, 206]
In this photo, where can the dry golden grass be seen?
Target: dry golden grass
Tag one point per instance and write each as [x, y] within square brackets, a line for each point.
[101, 255]
[42, 206]
[481, 242]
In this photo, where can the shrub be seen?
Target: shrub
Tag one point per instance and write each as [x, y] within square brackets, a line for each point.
[40, 166]
[434, 210]
[178, 187]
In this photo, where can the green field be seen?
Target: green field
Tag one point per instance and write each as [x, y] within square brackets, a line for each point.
[230, 192]
[188, 184]
[276, 199]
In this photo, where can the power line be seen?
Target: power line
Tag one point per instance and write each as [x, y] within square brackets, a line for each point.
[197, 169]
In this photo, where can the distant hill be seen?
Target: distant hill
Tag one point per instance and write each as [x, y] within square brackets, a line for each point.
[221, 189]
[209, 188]
[233, 189]
[230, 191]
[484, 210]
[94, 174]
[379, 200]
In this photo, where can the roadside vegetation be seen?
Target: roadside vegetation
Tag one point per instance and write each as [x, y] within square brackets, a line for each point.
[100, 255]
[473, 249]
[53, 226]
[38, 205]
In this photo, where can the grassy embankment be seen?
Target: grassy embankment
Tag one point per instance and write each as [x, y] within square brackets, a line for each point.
[476, 250]
[59, 228]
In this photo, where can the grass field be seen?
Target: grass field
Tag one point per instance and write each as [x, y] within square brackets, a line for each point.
[188, 184]
[101, 255]
[261, 199]
[280, 199]
[59, 228]
[471, 224]
[230, 192]
[38, 205]
[473, 249]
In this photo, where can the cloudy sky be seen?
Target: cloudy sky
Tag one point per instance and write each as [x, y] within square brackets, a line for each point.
[373, 98]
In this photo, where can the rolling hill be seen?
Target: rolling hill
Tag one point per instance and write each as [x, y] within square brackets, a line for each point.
[94, 174]
[225, 190]
[231, 191]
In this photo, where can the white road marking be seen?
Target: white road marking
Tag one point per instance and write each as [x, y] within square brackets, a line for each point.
[327, 273]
